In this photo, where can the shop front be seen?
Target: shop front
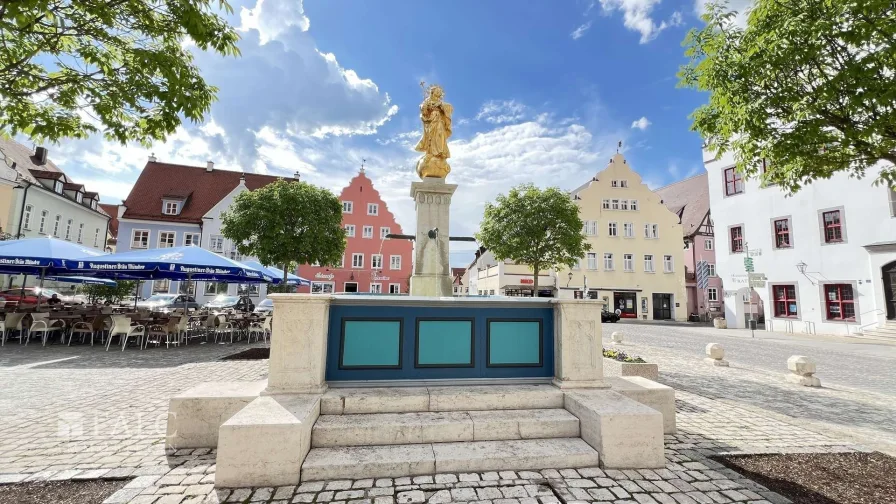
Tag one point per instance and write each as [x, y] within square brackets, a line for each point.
[625, 304]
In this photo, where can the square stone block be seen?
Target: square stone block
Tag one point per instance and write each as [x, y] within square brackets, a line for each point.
[353, 401]
[626, 433]
[649, 393]
[265, 443]
[195, 415]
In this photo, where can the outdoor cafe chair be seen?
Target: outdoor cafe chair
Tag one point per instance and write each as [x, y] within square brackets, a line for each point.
[121, 327]
[169, 331]
[41, 324]
[93, 327]
[11, 325]
[224, 328]
[256, 329]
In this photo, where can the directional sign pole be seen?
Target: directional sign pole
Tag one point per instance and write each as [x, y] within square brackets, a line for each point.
[748, 265]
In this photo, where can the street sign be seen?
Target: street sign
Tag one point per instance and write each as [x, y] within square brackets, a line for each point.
[754, 252]
[748, 264]
[757, 283]
[756, 277]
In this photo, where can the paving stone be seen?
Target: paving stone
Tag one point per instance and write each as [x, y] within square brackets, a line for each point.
[462, 494]
[580, 483]
[240, 495]
[601, 494]
[122, 496]
[311, 486]
[323, 496]
[440, 497]
[339, 485]
[308, 497]
[362, 483]
[514, 492]
[468, 477]
[384, 482]
[384, 500]
[412, 497]
[284, 492]
[170, 499]
[489, 493]
[380, 491]
[349, 494]
[490, 476]
[446, 478]
[193, 490]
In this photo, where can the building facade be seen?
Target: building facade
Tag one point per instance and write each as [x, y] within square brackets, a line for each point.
[458, 287]
[506, 278]
[635, 261]
[175, 205]
[689, 199]
[828, 252]
[372, 263]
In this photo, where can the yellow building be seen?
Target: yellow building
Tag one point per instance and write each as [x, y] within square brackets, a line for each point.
[635, 262]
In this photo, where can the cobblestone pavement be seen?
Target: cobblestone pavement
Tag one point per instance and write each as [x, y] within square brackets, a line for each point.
[860, 416]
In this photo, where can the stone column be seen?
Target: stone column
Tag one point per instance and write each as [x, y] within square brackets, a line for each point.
[578, 349]
[298, 361]
[431, 275]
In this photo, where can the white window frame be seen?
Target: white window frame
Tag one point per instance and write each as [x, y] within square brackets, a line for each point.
[893, 202]
[578, 264]
[57, 187]
[394, 288]
[56, 223]
[173, 239]
[394, 262]
[376, 261]
[654, 231]
[628, 262]
[648, 264]
[710, 269]
[373, 209]
[96, 238]
[605, 204]
[590, 228]
[350, 230]
[623, 183]
[708, 244]
[608, 261]
[214, 241]
[633, 205]
[43, 222]
[628, 229]
[384, 230]
[68, 229]
[591, 257]
[194, 239]
[614, 183]
[321, 288]
[79, 197]
[26, 219]
[367, 232]
[134, 244]
[375, 288]
[156, 286]
[668, 264]
[168, 209]
[623, 204]
[613, 229]
[81, 233]
[347, 207]
[357, 260]
[614, 204]
[712, 294]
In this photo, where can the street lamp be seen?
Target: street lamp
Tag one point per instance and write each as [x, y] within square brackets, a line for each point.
[801, 267]
[570, 278]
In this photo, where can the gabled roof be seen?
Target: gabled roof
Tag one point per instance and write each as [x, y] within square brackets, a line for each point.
[689, 199]
[73, 187]
[45, 174]
[201, 189]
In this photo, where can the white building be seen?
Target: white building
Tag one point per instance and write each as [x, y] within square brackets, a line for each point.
[828, 252]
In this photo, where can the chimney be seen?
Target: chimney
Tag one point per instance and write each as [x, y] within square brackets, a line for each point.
[242, 179]
[152, 157]
[41, 154]
[297, 176]
[209, 166]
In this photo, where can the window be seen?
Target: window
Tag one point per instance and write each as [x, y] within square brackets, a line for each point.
[710, 269]
[614, 183]
[96, 238]
[373, 209]
[608, 261]
[79, 197]
[43, 222]
[376, 261]
[357, 260]
[629, 229]
[623, 183]
[707, 244]
[628, 262]
[347, 207]
[712, 294]
[614, 204]
[667, 264]
[26, 219]
[321, 287]
[648, 263]
[56, 225]
[651, 231]
[592, 260]
[785, 300]
[589, 228]
[394, 288]
[93, 204]
[384, 231]
[578, 264]
[58, 187]
[80, 232]
[687, 245]
[737, 238]
[605, 204]
[376, 288]
[170, 208]
[782, 233]
[191, 239]
[161, 286]
[612, 229]
[367, 232]
[833, 229]
[840, 303]
[350, 230]
[395, 262]
[633, 204]
[623, 204]
[215, 288]
[216, 243]
[893, 202]
[68, 230]
[734, 183]
[166, 239]
[189, 288]
[140, 239]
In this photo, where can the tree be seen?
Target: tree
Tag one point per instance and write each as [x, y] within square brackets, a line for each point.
[531, 226]
[809, 86]
[287, 222]
[123, 67]
[114, 294]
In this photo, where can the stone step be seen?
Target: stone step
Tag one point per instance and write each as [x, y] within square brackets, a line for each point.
[442, 427]
[359, 462]
[875, 335]
[353, 401]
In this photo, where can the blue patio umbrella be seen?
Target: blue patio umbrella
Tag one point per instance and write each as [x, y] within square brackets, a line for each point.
[290, 278]
[260, 267]
[83, 280]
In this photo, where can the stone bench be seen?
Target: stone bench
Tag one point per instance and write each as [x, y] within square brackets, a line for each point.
[649, 393]
[195, 415]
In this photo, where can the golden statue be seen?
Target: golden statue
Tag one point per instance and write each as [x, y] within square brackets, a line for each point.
[436, 117]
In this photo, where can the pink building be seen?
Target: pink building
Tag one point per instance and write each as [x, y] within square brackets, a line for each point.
[371, 262]
[689, 199]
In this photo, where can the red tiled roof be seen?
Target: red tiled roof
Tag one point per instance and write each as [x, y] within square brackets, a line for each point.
[112, 210]
[689, 199]
[44, 174]
[71, 186]
[91, 194]
[205, 189]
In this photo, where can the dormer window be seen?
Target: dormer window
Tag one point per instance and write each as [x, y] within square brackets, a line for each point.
[93, 204]
[57, 186]
[171, 207]
[79, 197]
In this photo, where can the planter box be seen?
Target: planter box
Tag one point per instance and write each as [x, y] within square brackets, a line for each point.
[613, 367]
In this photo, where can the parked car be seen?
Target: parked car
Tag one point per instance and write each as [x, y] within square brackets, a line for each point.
[168, 302]
[608, 316]
[265, 306]
[29, 295]
[235, 303]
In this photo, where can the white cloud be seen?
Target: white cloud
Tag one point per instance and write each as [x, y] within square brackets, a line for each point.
[273, 18]
[637, 16]
[580, 31]
[501, 111]
[742, 7]
[641, 124]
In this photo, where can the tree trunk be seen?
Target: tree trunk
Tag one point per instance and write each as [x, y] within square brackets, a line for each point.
[535, 282]
[285, 283]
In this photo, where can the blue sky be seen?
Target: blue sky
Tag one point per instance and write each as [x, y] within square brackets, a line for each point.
[542, 92]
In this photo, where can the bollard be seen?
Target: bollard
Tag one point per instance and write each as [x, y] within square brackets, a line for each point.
[715, 355]
[801, 370]
[616, 337]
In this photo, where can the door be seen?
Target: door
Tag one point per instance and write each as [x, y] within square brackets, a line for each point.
[889, 276]
[351, 286]
[662, 306]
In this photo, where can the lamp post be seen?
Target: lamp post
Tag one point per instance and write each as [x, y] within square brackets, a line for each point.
[569, 276]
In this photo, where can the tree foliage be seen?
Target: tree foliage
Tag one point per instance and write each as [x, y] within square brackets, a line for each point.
[121, 67]
[287, 222]
[807, 85]
[531, 226]
[122, 289]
